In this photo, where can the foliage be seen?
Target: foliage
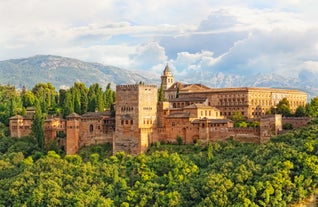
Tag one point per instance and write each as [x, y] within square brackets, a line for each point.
[287, 126]
[179, 140]
[37, 126]
[283, 107]
[237, 117]
[278, 173]
[161, 96]
[10, 103]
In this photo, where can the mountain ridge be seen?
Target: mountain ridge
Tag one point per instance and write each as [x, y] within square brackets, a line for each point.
[62, 72]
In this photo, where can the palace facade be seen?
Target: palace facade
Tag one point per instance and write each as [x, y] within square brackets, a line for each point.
[191, 112]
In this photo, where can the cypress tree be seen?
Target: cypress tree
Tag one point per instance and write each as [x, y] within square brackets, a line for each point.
[161, 96]
[37, 125]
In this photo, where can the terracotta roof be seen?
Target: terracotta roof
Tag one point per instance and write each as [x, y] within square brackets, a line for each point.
[188, 87]
[182, 99]
[174, 86]
[96, 114]
[200, 106]
[194, 87]
[181, 115]
[17, 117]
[54, 119]
[213, 121]
[73, 115]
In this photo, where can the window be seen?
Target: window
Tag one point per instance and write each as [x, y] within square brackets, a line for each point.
[91, 128]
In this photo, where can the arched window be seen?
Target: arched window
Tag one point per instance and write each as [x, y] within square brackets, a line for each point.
[91, 128]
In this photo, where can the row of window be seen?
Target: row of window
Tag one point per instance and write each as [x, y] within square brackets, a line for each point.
[147, 108]
[229, 113]
[232, 95]
[208, 113]
[126, 122]
[147, 121]
[127, 108]
[223, 103]
[21, 127]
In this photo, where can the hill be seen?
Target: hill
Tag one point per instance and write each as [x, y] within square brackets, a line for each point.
[63, 72]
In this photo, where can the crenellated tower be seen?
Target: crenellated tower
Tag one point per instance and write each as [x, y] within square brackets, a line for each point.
[136, 110]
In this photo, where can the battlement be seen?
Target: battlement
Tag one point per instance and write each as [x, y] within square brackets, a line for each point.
[134, 86]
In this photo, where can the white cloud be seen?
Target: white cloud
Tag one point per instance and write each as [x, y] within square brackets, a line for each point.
[234, 36]
[148, 55]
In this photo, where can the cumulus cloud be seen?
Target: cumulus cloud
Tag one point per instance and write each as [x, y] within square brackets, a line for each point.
[235, 36]
[148, 55]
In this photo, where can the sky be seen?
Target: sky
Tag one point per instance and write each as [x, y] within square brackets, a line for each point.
[228, 36]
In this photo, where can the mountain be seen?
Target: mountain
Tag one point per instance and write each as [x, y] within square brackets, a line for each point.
[63, 72]
[304, 81]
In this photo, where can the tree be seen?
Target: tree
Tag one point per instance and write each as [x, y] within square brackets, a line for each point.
[10, 103]
[283, 107]
[37, 125]
[178, 91]
[46, 94]
[161, 96]
[28, 99]
[68, 107]
[82, 91]
[108, 97]
[237, 117]
[312, 107]
[300, 111]
[95, 98]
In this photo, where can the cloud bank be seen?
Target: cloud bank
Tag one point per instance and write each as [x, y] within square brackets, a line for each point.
[195, 38]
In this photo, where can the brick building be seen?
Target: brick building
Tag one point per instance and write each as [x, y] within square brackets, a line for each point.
[192, 112]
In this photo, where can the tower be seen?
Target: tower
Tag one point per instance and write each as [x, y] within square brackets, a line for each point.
[72, 133]
[136, 110]
[167, 78]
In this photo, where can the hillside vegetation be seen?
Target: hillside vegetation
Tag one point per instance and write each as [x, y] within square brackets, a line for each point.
[278, 173]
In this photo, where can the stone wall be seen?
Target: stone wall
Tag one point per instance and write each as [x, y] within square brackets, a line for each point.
[297, 122]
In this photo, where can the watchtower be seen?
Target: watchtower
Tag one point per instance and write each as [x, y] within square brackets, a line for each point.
[72, 133]
[136, 109]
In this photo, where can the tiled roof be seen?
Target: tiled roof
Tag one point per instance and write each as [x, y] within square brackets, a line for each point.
[180, 115]
[213, 121]
[17, 117]
[183, 99]
[73, 115]
[96, 114]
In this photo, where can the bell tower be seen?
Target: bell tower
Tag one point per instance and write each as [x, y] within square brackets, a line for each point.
[167, 78]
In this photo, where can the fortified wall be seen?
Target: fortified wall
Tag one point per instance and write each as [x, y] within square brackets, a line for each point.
[192, 112]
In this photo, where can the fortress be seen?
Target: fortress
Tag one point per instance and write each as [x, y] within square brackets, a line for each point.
[190, 113]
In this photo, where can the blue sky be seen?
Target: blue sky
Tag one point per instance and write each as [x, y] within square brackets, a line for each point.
[232, 36]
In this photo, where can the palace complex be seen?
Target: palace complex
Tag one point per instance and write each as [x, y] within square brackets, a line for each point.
[190, 112]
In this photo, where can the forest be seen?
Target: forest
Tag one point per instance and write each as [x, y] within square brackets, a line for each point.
[280, 172]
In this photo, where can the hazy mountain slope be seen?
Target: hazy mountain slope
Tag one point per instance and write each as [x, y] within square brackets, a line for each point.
[61, 71]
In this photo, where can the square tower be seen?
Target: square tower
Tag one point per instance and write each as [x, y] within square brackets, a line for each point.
[136, 110]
